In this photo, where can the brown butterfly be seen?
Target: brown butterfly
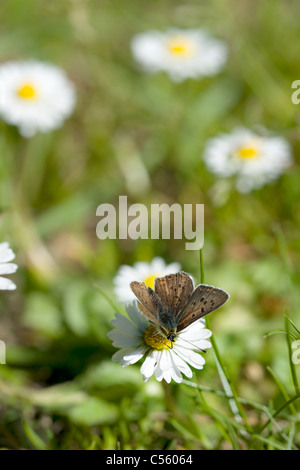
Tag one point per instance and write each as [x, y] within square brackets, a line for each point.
[174, 303]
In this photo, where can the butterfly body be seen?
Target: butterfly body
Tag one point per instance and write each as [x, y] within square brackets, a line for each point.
[174, 303]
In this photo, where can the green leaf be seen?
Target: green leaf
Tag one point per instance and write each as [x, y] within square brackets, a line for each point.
[33, 437]
[93, 411]
[42, 314]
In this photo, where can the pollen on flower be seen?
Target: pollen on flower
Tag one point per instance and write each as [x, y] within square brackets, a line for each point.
[155, 340]
[247, 152]
[149, 281]
[180, 47]
[27, 92]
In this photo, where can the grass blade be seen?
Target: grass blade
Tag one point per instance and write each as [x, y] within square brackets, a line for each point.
[292, 365]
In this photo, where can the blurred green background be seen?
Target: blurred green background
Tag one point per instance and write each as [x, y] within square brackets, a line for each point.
[143, 136]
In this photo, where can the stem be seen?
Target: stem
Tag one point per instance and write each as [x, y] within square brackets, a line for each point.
[169, 398]
[282, 389]
[201, 266]
[292, 366]
[277, 412]
[229, 390]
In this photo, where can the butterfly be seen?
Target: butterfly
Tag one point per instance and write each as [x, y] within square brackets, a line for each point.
[175, 304]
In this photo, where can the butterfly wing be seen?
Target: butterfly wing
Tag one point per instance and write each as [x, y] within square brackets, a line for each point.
[149, 303]
[174, 291]
[204, 299]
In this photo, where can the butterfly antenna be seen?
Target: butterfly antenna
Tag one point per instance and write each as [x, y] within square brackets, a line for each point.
[155, 333]
[192, 344]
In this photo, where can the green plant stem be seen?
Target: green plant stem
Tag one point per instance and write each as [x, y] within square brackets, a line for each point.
[282, 389]
[249, 403]
[277, 412]
[234, 404]
[292, 365]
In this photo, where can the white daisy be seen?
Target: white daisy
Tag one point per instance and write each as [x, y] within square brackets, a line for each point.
[6, 255]
[35, 96]
[143, 272]
[181, 53]
[254, 159]
[138, 338]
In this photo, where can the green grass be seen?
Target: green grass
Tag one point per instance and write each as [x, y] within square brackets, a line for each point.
[59, 388]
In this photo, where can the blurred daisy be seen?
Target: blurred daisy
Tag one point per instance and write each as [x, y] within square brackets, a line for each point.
[254, 159]
[6, 255]
[142, 272]
[181, 53]
[138, 338]
[35, 96]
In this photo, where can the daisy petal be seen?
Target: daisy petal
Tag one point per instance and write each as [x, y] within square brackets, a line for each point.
[194, 359]
[119, 355]
[7, 284]
[134, 356]
[8, 268]
[149, 364]
[136, 316]
[124, 325]
[123, 341]
[6, 255]
[182, 366]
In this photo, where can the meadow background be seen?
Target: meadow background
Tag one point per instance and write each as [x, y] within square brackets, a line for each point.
[143, 136]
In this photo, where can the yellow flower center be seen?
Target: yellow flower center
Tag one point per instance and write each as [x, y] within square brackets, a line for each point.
[180, 47]
[155, 340]
[247, 152]
[27, 92]
[149, 281]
